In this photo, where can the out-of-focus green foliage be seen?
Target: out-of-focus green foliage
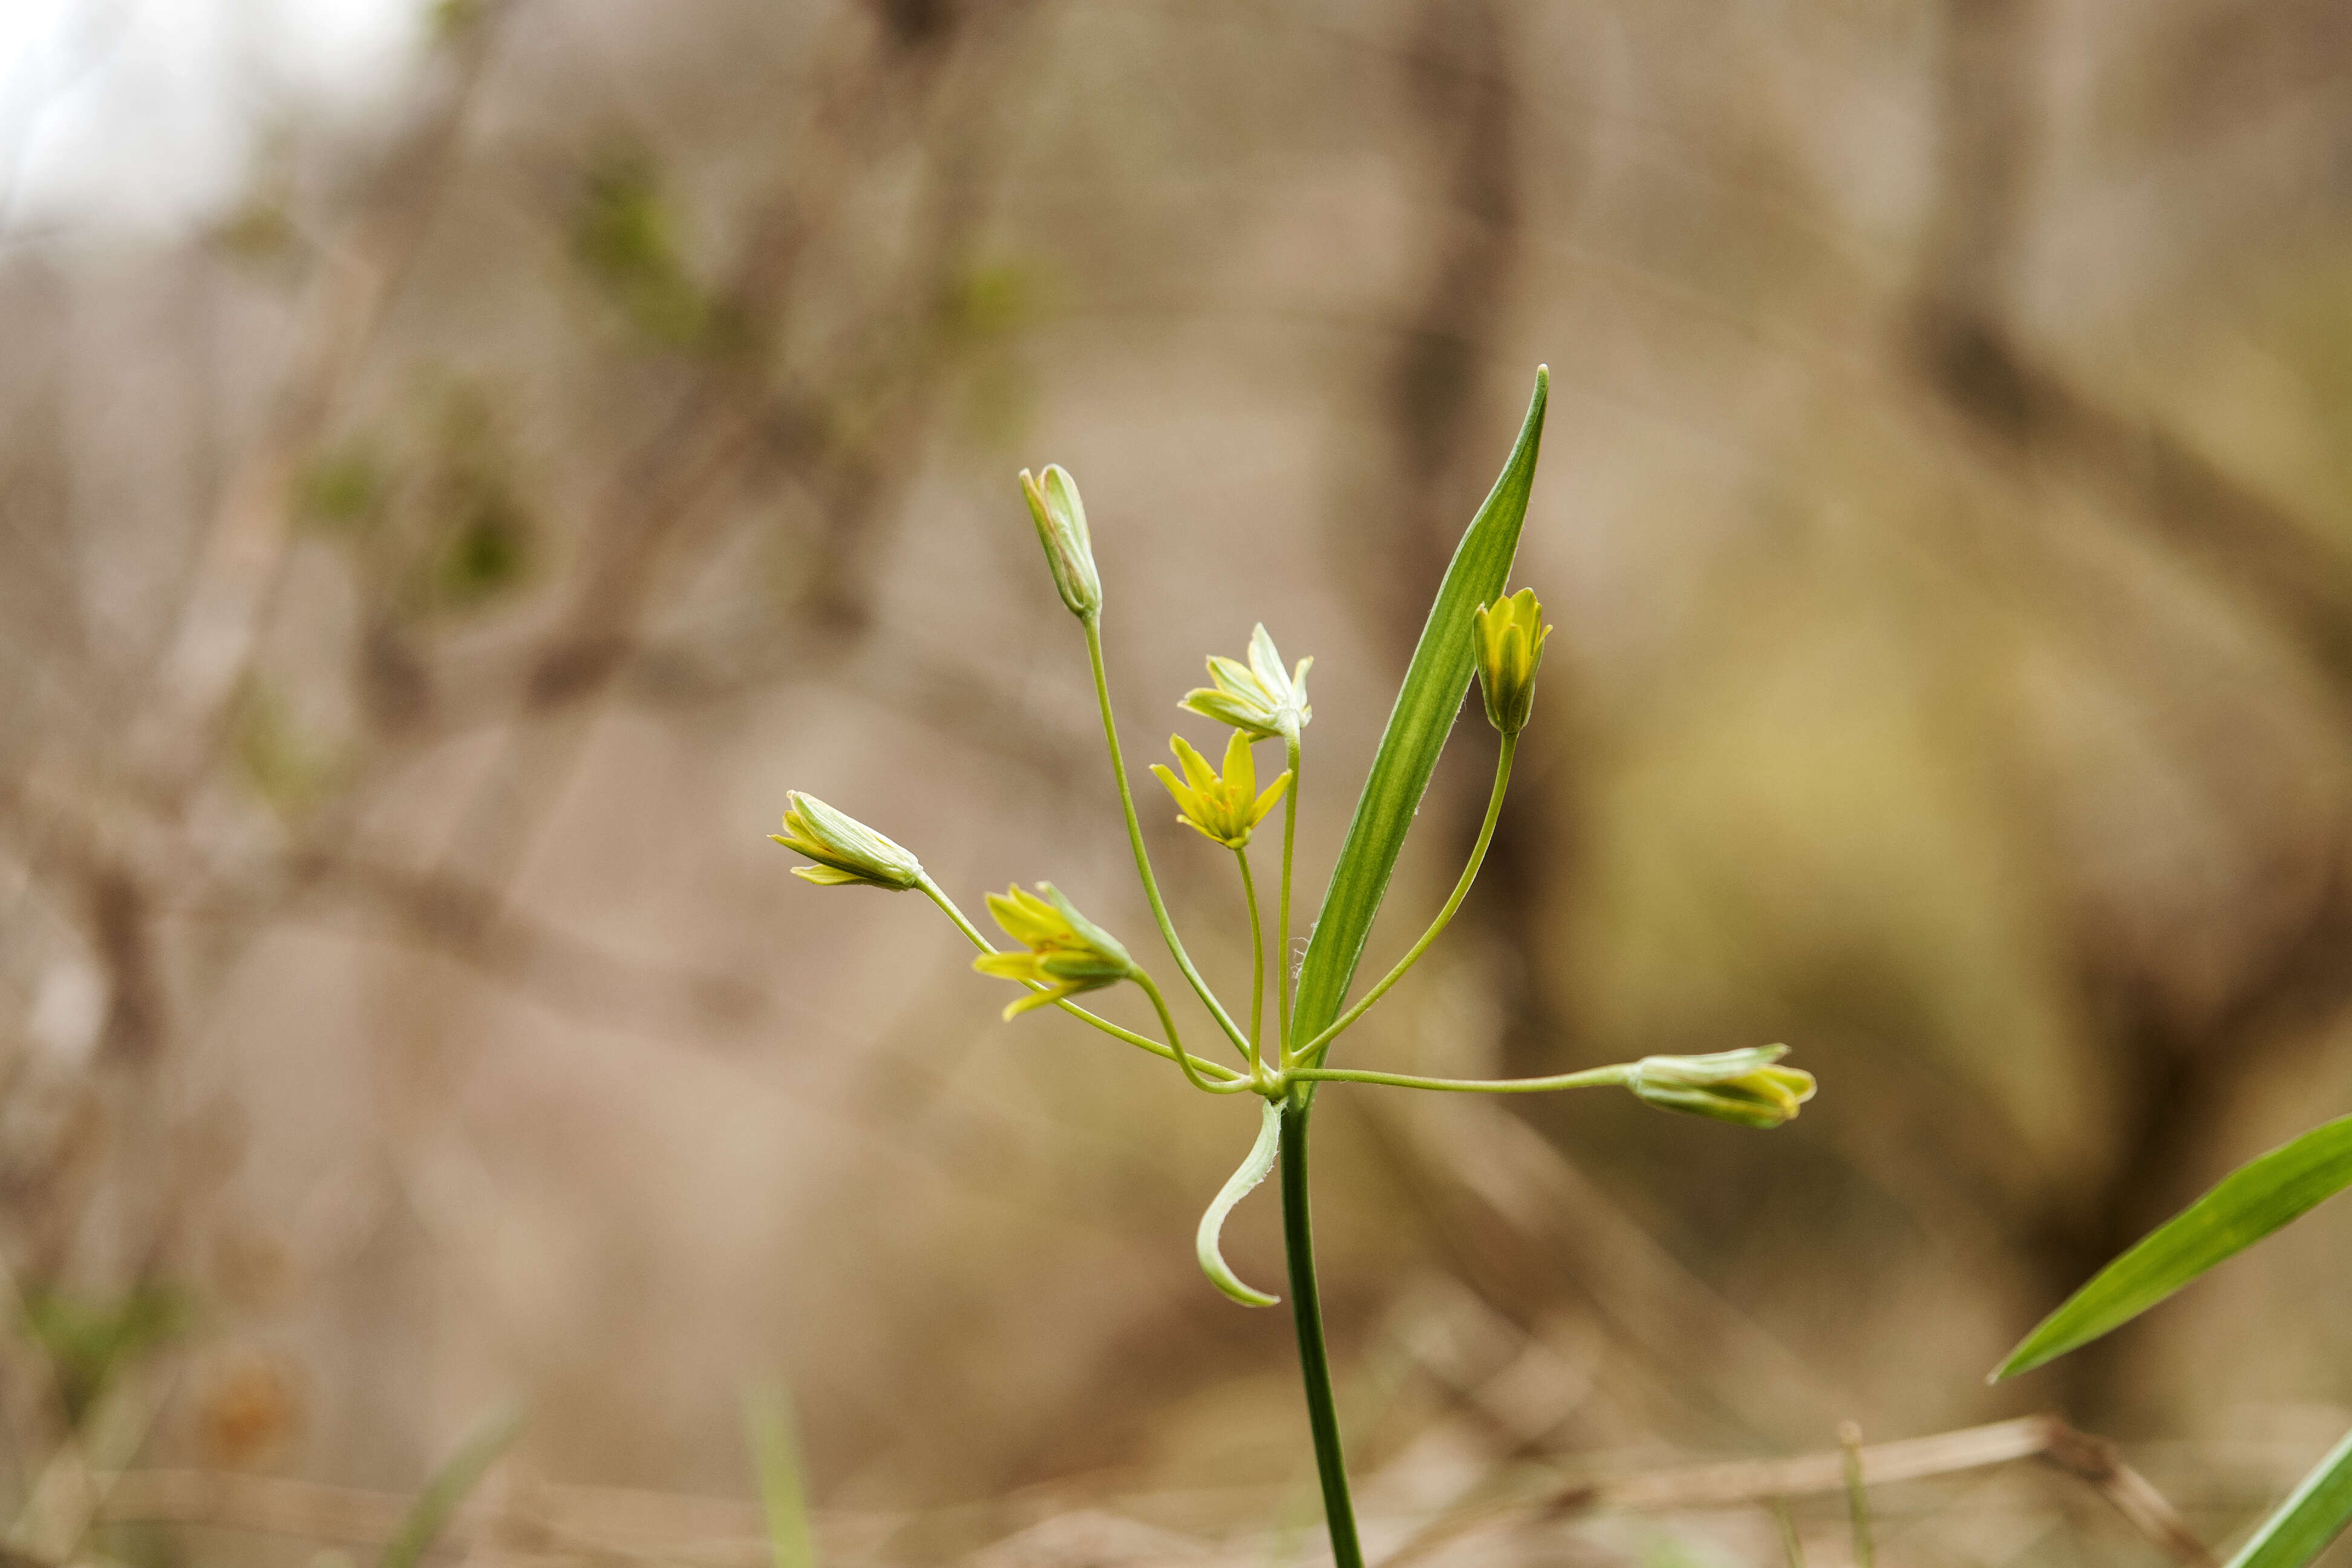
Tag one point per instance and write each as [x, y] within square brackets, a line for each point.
[479, 539]
[86, 1340]
[625, 236]
[776, 1463]
[448, 1488]
[287, 767]
[342, 490]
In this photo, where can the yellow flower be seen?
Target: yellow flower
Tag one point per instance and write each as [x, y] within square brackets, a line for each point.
[1257, 698]
[1061, 520]
[845, 849]
[1730, 1086]
[1227, 809]
[1064, 950]
[1510, 637]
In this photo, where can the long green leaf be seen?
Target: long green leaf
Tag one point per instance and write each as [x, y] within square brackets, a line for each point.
[2305, 1524]
[1425, 709]
[447, 1489]
[2249, 1203]
[776, 1460]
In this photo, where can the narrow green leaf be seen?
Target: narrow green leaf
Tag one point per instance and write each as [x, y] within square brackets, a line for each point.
[1425, 709]
[1237, 1187]
[2305, 1524]
[448, 1488]
[776, 1460]
[2247, 1204]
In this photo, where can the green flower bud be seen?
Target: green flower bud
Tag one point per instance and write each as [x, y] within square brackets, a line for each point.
[1225, 809]
[845, 849]
[1510, 637]
[1066, 953]
[1257, 699]
[1061, 520]
[1730, 1086]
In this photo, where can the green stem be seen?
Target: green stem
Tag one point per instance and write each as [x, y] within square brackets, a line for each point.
[1591, 1077]
[1282, 918]
[1190, 1063]
[1224, 1074]
[1257, 962]
[1315, 1049]
[1314, 1360]
[1093, 625]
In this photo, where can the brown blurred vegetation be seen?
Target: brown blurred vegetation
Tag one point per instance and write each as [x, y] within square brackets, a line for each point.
[418, 590]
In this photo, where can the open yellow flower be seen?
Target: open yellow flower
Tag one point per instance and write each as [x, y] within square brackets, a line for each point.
[1257, 698]
[1225, 808]
[1063, 951]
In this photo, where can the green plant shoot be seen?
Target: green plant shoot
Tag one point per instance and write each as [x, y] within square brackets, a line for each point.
[1475, 631]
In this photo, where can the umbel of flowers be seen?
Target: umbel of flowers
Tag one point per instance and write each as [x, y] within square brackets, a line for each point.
[1059, 955]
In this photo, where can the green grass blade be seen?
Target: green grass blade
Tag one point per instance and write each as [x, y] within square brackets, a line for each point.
[447, 1489]
[2305, 1524]
[2248, 1205]
[776, 1460]
[1424, 713]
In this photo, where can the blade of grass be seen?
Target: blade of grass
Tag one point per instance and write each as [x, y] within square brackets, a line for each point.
[1857, 1497]
[1425, 707]
[2305, 1524]
[448, 1488]
[776, 1461]
[1792, 1545]
[2245, 1207]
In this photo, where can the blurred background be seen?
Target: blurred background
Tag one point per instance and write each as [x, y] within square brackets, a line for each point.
[460, 464]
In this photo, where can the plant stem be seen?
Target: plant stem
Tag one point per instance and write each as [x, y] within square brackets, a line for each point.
[1792, 1545]
[1591, 1077]
[1093, 625]
[1257, 962]
[1857, 1500]
[1186, 1060]
[1314, 1050]
[1282, 918]
[1169, 1052]
[1314, 1360]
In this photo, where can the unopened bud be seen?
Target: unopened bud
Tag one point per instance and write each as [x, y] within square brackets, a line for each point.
[845, 849]
[1729, 1086]
[1510, 638]
[1061, 520]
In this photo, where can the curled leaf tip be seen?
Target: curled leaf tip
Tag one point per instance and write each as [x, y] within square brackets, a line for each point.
[1252, 1171]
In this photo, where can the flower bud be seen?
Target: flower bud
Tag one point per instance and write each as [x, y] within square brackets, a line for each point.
[845, 849]
[1730, 1086]
[1067, 954]
[1061, 520]
[1510, 638]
